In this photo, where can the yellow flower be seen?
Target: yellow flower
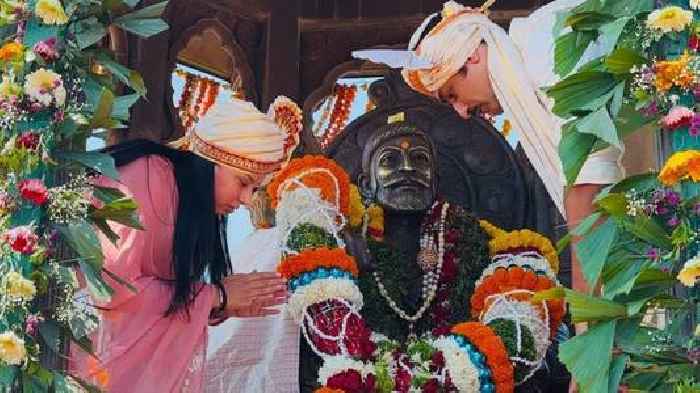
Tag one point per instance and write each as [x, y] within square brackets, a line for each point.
[376, 221]
[8, 88]
[12, 350]
[45, 86]
[51, 12]
[11, 51]
[19, 288]
[672, 18]
[690, 272]
[357, 209]
[680, 165]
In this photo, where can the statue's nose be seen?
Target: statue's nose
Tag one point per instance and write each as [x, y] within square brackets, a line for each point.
[406, 162]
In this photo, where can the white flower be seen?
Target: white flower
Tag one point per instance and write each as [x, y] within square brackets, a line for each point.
[463, 373]
[12, 350]
[695, 4]
[45, 87]
[304, 205]
[320, 291]
[333, 365]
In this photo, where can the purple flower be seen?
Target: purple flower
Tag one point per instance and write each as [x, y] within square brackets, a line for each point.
[694, 129]
[673, 221]
[653, 253]
[694, 355]
[650, 110]
[47, 50]
[672, 198]
[32, 324]
[696, 209]
[660, 210]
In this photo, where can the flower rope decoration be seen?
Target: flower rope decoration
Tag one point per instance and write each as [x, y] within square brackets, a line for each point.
[58, 87]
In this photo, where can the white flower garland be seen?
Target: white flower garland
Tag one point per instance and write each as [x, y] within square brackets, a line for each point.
[522, 314]
[333, 365]
[463, 373]
[533, 260]
[322, 290]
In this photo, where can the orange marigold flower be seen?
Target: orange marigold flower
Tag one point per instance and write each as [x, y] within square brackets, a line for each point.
[312, 259]
[493, 349]
[11, 51]
[314, 172]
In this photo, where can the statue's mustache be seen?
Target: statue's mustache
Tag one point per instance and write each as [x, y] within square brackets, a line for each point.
[407, 182]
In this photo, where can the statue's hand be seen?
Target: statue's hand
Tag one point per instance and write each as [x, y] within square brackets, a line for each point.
[356, 245]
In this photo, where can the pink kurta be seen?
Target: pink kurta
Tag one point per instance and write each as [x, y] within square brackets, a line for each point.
[141, 349]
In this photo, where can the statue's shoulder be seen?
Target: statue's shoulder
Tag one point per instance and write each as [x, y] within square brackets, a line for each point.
[460, 218]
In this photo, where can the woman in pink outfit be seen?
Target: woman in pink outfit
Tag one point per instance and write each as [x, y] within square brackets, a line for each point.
[152, 336]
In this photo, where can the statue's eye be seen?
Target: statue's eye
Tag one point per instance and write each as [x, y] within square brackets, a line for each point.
[388, 159]
[420, 158]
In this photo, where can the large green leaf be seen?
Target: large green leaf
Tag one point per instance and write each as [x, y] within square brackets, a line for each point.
[82, 238]
[107, 194]
[587, 224]
[123, 211]
[143, 27]
[129, 77]
[578, 90]
[588, 21]
[568, 50]
[648, 230]
[601, 125]
[120, 109]
[640, 183]
[628, 8]
[620, 272]
[101, 162]
[593, 250]
[622, 60]
[609, 34]
[574, 149]
[145, 22]
[101, 112]
[617, 368]
[588, 357]
[614, 204]
[584, 308]
[88, 32]
[96, 285]
[630, 120]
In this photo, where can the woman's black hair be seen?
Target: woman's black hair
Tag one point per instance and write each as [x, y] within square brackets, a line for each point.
[199, 241]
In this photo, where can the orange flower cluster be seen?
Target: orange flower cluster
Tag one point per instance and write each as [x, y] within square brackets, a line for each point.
[669, 73]
[315, 258]
[491, 346]
[316, 179]
[512, 279]
[679, 165]
[328, 390]
[11, 51]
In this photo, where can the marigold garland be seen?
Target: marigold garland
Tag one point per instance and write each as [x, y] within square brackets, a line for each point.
[516, 278]
[492, 230]
[679, 165]
[312, 259]
[525, 239]
[491, 346]
[357, 209]
[316, 179]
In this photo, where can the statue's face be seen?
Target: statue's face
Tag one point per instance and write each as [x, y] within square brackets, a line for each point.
[403, 175]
